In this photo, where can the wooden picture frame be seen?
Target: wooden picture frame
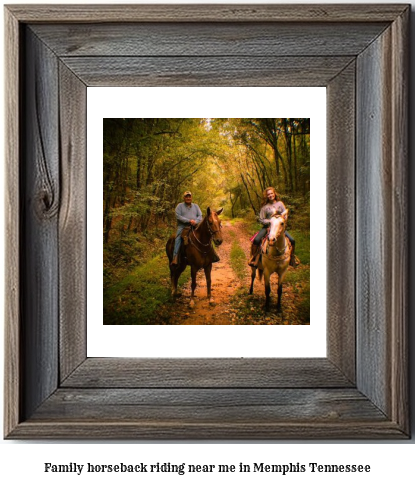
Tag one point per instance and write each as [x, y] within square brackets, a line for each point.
[360, 53]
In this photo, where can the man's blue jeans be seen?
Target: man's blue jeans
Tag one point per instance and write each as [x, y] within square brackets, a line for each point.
[178, 241]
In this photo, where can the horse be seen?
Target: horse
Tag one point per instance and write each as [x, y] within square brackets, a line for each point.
[275, 257]
[198, 253]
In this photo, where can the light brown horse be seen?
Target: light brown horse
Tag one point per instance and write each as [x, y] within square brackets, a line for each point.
[275, 257]
[198, 253]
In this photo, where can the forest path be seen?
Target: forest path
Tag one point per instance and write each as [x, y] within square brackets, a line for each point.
[231, 279]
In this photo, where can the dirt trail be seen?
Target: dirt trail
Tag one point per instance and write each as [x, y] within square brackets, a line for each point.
[232, 304]
[225, 283]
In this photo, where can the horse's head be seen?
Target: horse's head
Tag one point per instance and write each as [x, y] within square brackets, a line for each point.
[214, 225]
[278, 224]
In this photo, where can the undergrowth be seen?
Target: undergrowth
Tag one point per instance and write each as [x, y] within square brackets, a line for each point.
[137, 298]
[238, 258]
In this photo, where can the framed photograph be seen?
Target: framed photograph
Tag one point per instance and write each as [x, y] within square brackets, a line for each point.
[226, 162]
[54, 388]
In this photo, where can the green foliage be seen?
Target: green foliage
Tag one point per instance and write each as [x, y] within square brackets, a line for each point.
[304, 305]
[262, 153]
[297, 275]
[253, 226]
[137, 298]
[128, 250]
[249, 309]
[299, 278]
[302, 245]
[148, 163]
[238, 259]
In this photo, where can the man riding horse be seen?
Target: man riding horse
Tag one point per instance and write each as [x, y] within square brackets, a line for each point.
[271, 205]
[188, 215]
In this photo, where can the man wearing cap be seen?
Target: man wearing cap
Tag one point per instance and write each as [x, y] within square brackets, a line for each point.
[187, 214]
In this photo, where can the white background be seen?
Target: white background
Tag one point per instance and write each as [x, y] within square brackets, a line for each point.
[21, 463]
[209, 341]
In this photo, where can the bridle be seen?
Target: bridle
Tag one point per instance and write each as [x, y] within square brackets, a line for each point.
[280, 252]
[211, 232]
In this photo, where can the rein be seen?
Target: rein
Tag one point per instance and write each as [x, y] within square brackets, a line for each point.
[280, 252]
[201, 243]
[211, 232]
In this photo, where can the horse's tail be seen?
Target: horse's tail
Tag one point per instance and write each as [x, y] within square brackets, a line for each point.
[260, 273]
[170, 248]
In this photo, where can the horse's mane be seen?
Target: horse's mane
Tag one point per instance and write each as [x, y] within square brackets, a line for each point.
[204, 218]
[200, 223]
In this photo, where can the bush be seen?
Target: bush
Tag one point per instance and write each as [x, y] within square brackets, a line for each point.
[128, 250]
[137, 298]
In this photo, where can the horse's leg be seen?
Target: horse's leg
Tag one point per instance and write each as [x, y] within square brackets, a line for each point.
[193, 273]
[174, 280]
[208, 271]
[280, 281]
[279, 297]
[253, 275]
[267, 289]
[175, 275]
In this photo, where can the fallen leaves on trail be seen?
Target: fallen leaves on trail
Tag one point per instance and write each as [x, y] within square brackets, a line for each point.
[233, 304]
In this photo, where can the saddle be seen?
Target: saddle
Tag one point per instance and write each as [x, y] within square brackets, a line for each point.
[182, 258]
[185, 242]
[185, 235]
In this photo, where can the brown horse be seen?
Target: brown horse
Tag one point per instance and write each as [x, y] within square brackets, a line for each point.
[198, 253]
[275, 257]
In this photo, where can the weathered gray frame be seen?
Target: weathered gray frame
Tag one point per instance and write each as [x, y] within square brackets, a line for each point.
[359, 52]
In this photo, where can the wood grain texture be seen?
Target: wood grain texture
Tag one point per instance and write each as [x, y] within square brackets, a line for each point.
[210, 405]
[198, 39]
[208, 415]
[207, 399]
[207, 71]
[378, 242]
[72, 222]
[188, 430]
[13, 380]
[40, 205]
[206, 373]
[341, 237]
[373, 207]
[382, 257]
[400, 257]
[206, 13]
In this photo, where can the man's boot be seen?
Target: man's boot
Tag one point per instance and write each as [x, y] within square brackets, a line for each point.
[255, 255]
[175, 260]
